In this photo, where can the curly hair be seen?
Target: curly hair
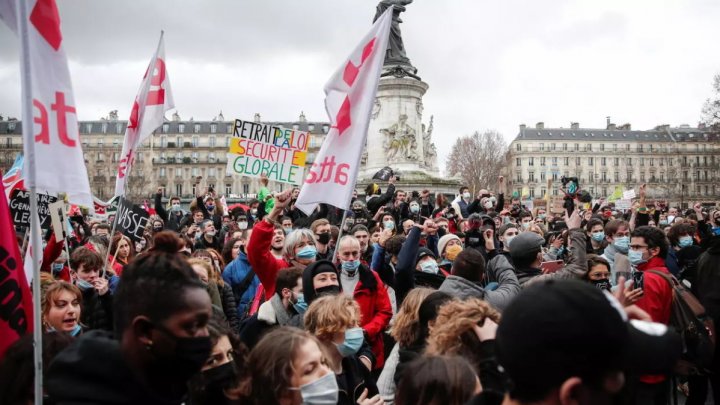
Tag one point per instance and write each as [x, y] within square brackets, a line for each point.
[406, 326]
[679, 229]
[331, 314]
[452, 332]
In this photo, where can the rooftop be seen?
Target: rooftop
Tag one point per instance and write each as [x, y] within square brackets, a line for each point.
[663, 133]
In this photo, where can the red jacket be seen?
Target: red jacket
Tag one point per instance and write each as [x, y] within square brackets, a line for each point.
[656, 300]
[263, 263]
[375, 311]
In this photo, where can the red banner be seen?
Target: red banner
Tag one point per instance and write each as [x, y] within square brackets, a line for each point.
[16, 304]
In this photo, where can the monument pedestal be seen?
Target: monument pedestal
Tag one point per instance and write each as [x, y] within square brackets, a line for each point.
[398, 138]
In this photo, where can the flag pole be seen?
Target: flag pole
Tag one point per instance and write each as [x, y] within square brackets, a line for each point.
[340, 235]
[36, 243]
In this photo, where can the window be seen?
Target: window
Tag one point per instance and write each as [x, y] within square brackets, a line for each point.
[116, 156]
[518, 147]
[246, 187]
[552, 146]
[629, 161]
[685, 175]
[614, 147]
[178, 189]
[163, 141]
[627, 147]
[228, 189]
[181, 128]
[532, 192]
[617, 161]
[604, 175]
[195, 172]
[590, 161]
[662, 177]
[577, 161]
[554, 161]
[642, 161]
[213, 128]
[566, 161]
[616, 178]
[211, 157]
[118, 128]
[697, 160]
[602, 147]
[195, 141]
[100, 142]
[104, 127]
[212, 141]
[577, 146]
[685, 161]
[162, 157]
[639, 148]
[212, 172]
[604, 191]
[88, 127]
[564, 148]
[227, 141]
[196, 128]
[194, 156]
[642, 176]
[518, 162]
[165, 128]
[531, 161]
[311, 127]
[543, 191]
[706, 177]
[555, 176]
[162, 172]
[542, 161]
[519, 177]
[542, 146]
[179, 141]
[542, 176]
[141, 157]
[589, 147]
[194, 189]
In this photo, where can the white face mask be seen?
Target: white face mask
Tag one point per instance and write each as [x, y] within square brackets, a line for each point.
[322, 391]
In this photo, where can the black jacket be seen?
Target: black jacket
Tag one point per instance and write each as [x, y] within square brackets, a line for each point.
[97, 310]
[93, 370]
[354, 379]
[229, 306]
[374, 204]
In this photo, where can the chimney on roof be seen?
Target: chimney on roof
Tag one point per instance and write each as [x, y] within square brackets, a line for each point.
[522, 127]
[663, 127]
[611, 127]
[574, 125]
[257, 117]
[608, 120]
[302, 117]
[540, 125]
[625, 127]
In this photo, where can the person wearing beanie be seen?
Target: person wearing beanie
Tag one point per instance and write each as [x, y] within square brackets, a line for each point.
[526, 254]
[449, 246]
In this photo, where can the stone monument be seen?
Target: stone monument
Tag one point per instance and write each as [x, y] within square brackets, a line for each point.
[397, 137]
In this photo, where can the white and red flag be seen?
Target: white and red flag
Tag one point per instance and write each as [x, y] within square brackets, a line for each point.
[54, 160]
[349, 96]
[147, 114]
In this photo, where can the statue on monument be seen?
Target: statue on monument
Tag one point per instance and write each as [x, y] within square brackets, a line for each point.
[429, 150]
[400, 141]
[396, 61]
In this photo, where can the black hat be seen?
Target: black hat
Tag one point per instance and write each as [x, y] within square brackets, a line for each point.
[526, 244]
[424, 252]
[558, 329]
[312, 270]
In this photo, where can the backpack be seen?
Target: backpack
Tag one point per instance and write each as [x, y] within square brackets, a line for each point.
[695, 327]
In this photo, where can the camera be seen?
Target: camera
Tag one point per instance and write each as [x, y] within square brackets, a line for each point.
[571, 184]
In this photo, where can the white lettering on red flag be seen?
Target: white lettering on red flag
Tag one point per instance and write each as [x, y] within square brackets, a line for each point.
[148, 113]
[349, 96]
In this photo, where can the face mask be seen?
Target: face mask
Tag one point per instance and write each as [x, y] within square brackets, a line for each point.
[210, 207]
[243, 225]
[636, 257]
[506, 220]
[603, 284]
[663, 223]
[526, 225]
[300, 305]
[323, 238]
[452, 252]
[598, 236]
[223, 376]
[328, 290]
[508, 239]
[622, 243]
[253, 211]
[157, 228]
[83, 285]
[287, 230]
[57, 268]
[414, 209]
[561, 250]
[307, 252]
[389, 225]
[488, 204]
[210, 233]
[324, 390]
[541, 216]
[176, 208]
[466, 195]
[429, 266]
[350, 266]
[190, 354]
[354, 338]
[685, 241]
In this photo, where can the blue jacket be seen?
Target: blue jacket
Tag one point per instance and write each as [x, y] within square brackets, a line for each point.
[234, 274]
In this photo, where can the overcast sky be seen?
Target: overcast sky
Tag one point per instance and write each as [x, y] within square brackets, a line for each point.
[489, 64]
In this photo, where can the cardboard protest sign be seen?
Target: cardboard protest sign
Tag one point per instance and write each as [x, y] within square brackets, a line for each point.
[20, 208]
[277, 152]
[131, 220]
[628, 195]
[623, 204]
[558, 206]
[57, 215]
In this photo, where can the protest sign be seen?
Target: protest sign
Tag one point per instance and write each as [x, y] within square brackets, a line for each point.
[529, 205]
[57, 215]
[558, 205]
[277, 152]
[623, 204]
[131, 220]
[20, 208]
[383, 174]
[628, 195]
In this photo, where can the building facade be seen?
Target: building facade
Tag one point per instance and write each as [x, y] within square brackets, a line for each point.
[681, 165]
[173, 158]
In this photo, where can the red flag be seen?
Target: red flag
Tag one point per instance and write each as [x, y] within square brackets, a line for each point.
[16, 306]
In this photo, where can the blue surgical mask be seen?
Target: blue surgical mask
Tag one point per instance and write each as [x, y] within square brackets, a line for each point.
[176, 208]
[76, 330]
[561, 250]
[636, 257]
[685, 241]
[350, 266]
[308, 252]
[508, 239]
[287, 230]
[57, 268]
[541, 216]
[324, 390]
[414, 209]
[83, 285]
[622, 243]
[389, 225]
[354, 338]
[429, 266]
[300, 305]
[598, 236]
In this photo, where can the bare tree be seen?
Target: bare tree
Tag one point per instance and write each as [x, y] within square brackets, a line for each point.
[478, 159]
[711, 109]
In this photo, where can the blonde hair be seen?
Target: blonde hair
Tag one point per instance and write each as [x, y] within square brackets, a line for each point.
[406, 327]
[452, 333]
[329, 315]
[202, 263]
[51, 292]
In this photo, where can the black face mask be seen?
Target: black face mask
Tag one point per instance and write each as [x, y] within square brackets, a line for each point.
[327, 290]
[224, 376]
[324, 238]
[157, 228]
[190, 354]
[603, 284]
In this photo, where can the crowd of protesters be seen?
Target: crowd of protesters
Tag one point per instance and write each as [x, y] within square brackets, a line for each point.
[406, 298]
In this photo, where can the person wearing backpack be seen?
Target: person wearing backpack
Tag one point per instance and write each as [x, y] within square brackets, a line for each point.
[241, 278]
[648, 248]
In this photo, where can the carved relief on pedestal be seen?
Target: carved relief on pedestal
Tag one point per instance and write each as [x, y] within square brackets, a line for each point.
[400, 141]
[376, 108]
